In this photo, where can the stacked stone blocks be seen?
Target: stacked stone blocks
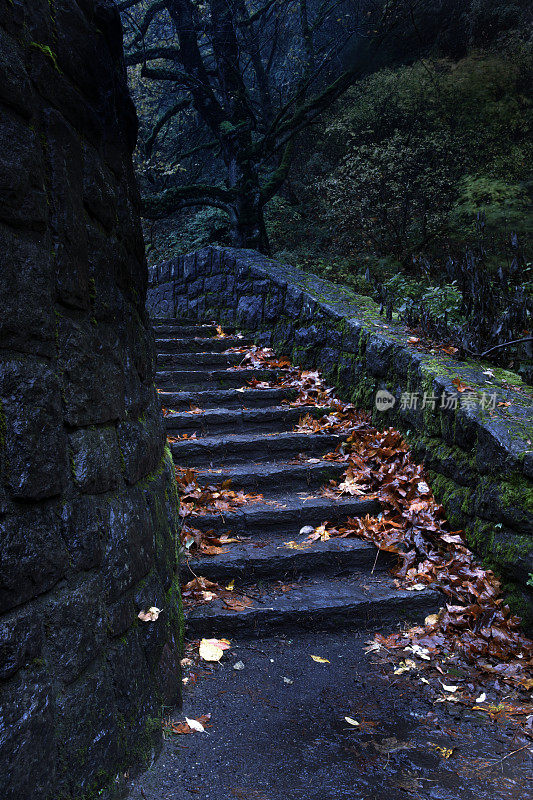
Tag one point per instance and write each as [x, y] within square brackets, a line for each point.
[88, 508]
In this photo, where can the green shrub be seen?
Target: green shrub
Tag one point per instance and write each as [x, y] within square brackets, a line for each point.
[410, 157]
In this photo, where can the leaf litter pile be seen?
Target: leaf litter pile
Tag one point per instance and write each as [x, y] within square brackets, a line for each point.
[475, 631]
[198, 501]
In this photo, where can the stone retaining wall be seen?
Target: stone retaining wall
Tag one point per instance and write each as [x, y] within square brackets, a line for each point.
[88, 508]
[479, 458]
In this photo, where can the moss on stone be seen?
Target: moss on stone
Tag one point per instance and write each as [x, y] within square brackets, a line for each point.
[511, 550]
[517, 492]
[47, 50]
[364, 391]
[521, 603]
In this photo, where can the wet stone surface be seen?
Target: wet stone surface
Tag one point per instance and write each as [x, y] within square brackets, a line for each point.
[278, 731]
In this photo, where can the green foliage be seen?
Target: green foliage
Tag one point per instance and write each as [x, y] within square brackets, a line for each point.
[171, 237]
[505, 206]
[393, 197]
[443, 302]
[410, 158]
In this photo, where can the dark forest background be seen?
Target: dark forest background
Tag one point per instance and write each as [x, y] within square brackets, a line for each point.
[386, 146]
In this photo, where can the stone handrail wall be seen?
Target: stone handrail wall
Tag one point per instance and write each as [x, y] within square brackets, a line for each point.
[479, 458]
[88, 507]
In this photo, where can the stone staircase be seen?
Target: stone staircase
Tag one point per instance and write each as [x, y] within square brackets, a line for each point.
[246, 435]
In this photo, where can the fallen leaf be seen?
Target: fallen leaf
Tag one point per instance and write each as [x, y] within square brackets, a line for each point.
[445, 752]
[460, 386]
[421, 652]
[405, 666]
[295, 545]
[213, 649]
[351, 721]
[194, 725]
[449, 688]
[149, 616]
[320, 660]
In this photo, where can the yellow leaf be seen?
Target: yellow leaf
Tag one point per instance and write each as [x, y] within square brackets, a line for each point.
[213, 649]
[445, 752]
[322, 533]
[231, 585]
[405, 666]
[209, 652]
[351, 721]
[320, 660]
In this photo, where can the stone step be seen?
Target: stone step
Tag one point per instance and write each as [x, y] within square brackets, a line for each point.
[270, 476]
[213, 378]
[196, 345]
[214, 451]
[358, 601]
[286, 515]
[226, 398]
[197, 360]
[185, 330]
[244, 435]
[246, 420]
[250, 560]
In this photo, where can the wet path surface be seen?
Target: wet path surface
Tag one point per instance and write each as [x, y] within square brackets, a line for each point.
[278, 732]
